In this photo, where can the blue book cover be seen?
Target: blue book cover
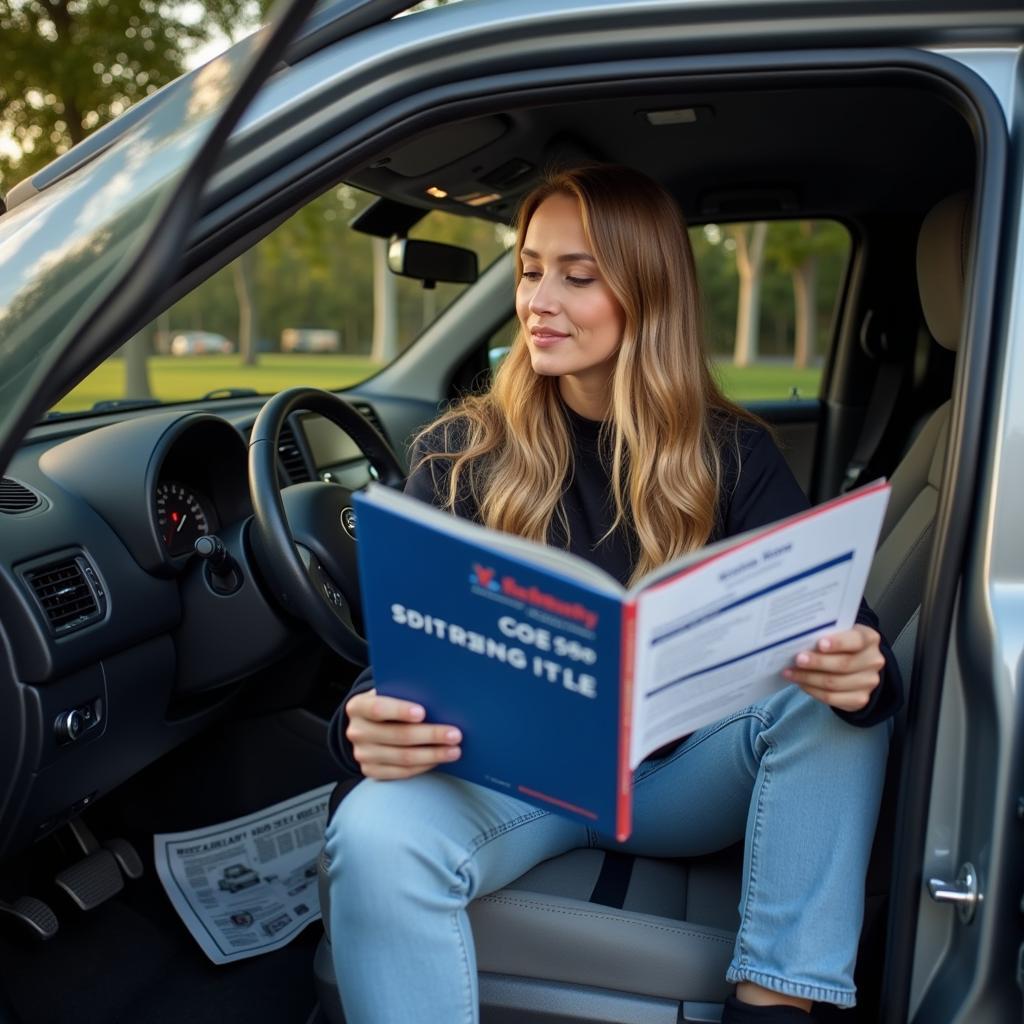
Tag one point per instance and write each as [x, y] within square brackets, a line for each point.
[560, 679]
[508, 641]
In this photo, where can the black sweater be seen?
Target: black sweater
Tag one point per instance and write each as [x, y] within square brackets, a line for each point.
[757, 488]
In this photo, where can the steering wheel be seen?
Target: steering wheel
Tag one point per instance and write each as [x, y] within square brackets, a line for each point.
[304, 535]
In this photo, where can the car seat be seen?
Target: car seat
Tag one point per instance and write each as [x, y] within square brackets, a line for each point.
[550, 945]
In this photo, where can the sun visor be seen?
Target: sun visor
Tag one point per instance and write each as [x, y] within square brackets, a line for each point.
[444, 146]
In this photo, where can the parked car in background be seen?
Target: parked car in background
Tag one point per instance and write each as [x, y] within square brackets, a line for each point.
[310, 339]
[147, 689]
[200, 343]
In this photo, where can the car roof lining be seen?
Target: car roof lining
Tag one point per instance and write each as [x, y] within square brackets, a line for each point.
[837, 150]
[904, 183]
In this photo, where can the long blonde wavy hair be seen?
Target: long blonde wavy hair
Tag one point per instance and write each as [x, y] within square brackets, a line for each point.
[510, 448]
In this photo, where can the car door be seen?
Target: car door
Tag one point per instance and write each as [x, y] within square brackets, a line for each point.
[960, 876]
[85, 257]
[87, 247]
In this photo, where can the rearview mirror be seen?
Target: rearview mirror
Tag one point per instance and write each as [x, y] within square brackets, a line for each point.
[431, 262]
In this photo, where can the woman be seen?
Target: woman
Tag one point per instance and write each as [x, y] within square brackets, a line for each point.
[605, 433]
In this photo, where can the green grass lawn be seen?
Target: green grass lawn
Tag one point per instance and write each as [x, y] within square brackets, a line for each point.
[176, 379]
[767, 381]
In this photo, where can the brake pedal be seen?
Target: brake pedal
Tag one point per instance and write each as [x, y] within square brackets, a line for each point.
[92, 881]
[33, 914]
[127, 859]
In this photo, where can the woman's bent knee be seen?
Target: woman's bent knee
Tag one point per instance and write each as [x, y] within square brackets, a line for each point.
[385, 855]
[379, 824]
[437, 838]
[793, 710]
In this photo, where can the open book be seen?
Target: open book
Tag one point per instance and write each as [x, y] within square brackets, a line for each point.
[562, 680]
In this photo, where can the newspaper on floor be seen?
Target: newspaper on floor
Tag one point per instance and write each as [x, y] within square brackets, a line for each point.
[247, 886]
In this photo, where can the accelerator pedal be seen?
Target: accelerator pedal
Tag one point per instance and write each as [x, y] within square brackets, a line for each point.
[92, 880]
[127, 859]
[32, 914]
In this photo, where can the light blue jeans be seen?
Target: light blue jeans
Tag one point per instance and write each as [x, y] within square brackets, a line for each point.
[799, 783]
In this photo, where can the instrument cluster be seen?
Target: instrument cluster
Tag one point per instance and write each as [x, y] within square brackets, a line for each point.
[183, 515]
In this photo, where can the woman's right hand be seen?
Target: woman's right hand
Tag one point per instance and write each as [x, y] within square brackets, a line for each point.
[390, 740]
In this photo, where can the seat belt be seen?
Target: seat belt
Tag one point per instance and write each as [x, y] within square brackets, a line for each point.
[613, 882]
[881, 406]
[884, 396]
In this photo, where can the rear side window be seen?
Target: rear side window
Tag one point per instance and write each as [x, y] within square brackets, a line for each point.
[770, 290]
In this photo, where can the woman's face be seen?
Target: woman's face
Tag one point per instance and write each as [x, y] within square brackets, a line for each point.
[572, 320]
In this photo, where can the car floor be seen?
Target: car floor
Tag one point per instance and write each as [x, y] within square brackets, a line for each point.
[131, 960]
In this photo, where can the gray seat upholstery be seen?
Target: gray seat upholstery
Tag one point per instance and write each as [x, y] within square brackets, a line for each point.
[898, 571]
[678, 919]
[545, 933]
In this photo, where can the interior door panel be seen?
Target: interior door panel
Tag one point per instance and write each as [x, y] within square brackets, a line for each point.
[795, 423]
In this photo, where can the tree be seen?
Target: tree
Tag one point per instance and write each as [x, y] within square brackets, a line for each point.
[136, 365]
[385, 311]
[805, 288]
[807, 251]
[248, 331]
[69, 66]
[749, 239]
[793, 248]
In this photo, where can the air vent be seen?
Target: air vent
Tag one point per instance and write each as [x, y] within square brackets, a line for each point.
[371, 414]
[291, 457]
[15, 497]
[69, 592]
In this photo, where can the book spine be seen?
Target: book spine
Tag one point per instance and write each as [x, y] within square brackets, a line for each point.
[627, 649]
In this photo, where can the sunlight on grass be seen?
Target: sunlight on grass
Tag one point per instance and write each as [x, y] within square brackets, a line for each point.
[179, 379]
[768, 381]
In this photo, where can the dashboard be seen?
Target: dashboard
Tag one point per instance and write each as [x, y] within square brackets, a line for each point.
[114, 645]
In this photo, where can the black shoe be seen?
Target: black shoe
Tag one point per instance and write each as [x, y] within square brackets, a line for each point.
[746, 1013]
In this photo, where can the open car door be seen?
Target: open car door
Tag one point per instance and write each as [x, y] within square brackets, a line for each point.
[84, 260]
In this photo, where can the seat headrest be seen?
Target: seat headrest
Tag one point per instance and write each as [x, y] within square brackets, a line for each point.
[942, 267]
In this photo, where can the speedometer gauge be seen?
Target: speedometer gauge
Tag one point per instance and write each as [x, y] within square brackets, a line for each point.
[180, 517]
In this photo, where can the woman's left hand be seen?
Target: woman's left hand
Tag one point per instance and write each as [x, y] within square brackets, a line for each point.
[842, 670]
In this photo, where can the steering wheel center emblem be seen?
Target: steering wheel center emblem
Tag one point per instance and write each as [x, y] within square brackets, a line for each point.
[348, 521]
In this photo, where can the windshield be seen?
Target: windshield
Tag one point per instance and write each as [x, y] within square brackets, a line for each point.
[312, 303]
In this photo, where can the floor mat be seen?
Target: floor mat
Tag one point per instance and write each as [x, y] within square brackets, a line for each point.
[132, 962]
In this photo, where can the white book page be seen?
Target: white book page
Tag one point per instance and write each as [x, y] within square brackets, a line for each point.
[715, 638]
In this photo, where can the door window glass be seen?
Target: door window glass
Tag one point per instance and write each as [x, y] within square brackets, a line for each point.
[770, 290]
